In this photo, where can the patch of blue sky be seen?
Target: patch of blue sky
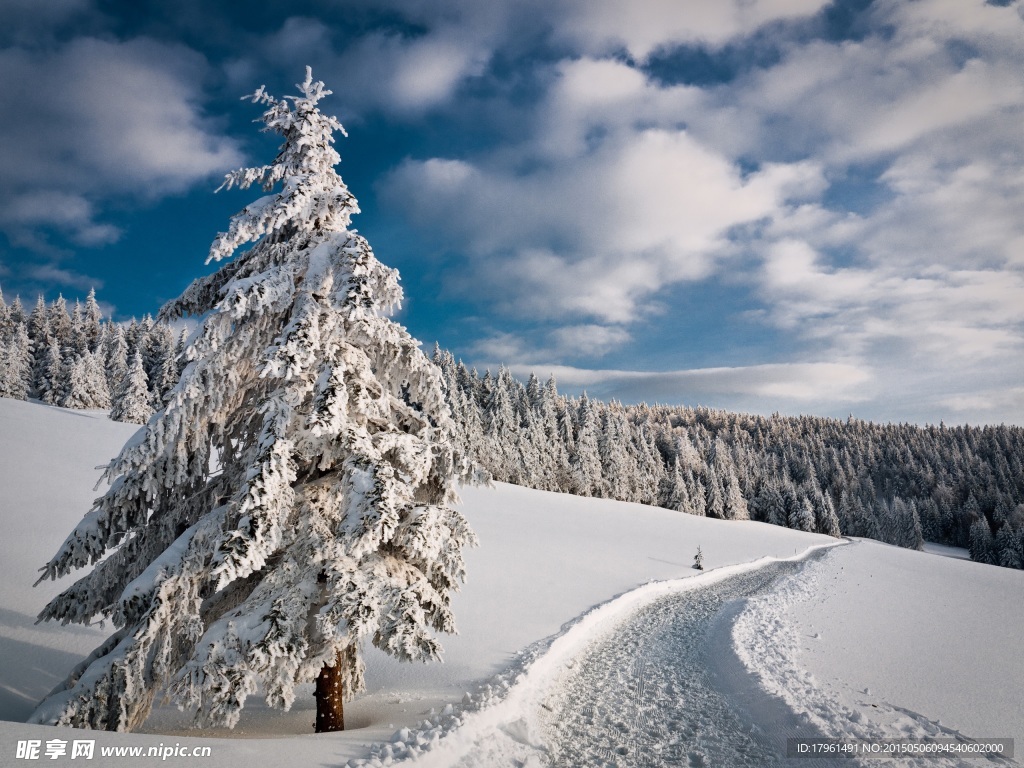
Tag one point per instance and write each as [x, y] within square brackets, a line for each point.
[858, 189]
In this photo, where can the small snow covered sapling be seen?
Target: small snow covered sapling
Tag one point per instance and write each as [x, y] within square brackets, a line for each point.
[294, 497]
[698, 559]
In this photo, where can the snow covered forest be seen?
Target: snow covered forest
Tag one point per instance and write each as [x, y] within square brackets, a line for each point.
[897, 483]
[73, 358]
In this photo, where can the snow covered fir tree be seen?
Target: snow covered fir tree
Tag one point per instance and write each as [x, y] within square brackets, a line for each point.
[293, 498]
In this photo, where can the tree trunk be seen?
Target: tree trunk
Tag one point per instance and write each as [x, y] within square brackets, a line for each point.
[330, 711]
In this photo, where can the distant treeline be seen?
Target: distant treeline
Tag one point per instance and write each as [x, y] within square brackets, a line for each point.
[73, 358]
[897, 483]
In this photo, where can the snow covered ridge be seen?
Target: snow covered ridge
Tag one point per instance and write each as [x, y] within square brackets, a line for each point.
[500, 724]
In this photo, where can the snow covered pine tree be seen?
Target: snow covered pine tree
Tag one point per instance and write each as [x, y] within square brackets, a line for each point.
[294, 497]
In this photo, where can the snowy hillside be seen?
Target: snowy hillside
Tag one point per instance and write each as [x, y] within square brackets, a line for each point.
[920, 632]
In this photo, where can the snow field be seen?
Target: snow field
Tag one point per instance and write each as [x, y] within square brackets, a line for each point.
[48, 459]
[932, 642]
[544, 559]
[877, 642]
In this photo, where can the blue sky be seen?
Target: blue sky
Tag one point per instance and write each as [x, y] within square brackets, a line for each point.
[760, 205]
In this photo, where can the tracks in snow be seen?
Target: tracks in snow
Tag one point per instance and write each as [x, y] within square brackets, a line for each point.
[653, 691]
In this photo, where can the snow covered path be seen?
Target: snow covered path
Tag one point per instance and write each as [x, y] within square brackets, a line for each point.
[705, 671]
[666, 689]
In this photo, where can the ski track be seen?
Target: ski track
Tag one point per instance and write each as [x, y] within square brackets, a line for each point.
[653, 693]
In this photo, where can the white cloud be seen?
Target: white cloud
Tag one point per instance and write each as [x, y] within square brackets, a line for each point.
[613, 190]
[602, 26]
[924, 285]
[588, 340]
[934, 338]
[924, 77]
[997, 406]
[620, 202]
[990, 28]
[942, 316]
[406, 76]
[397, 74]
[787, 387]
[101, 119]
[597, 236]
[50, 273]
[974, 92]
[950, 209]
[567, 342]
[70, 213]
[25, 19]
[621, 188]
[427, 72]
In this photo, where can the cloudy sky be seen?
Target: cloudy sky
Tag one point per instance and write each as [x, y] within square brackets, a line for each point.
[762, 205]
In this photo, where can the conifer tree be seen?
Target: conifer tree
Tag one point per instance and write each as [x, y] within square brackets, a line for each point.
[92, 318]
[791, 504]
[735, 504]
[132, 402]
[59, 321]
[167, 375]
[87, 384]
[328, 520]
[16, 312]
[179, 350]
[585, 463]
[5, 318]
[715, 501]
[135, 338]
[51, 381]
[803, 519]
[158, 358]
[611, 444]
[1006, 547]
[39, 322]
[826, 521]
[79, 344]
[698, 497]
[982, 543]
[501, 427]
[562, 435]
[115, 350]
[16, 365]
